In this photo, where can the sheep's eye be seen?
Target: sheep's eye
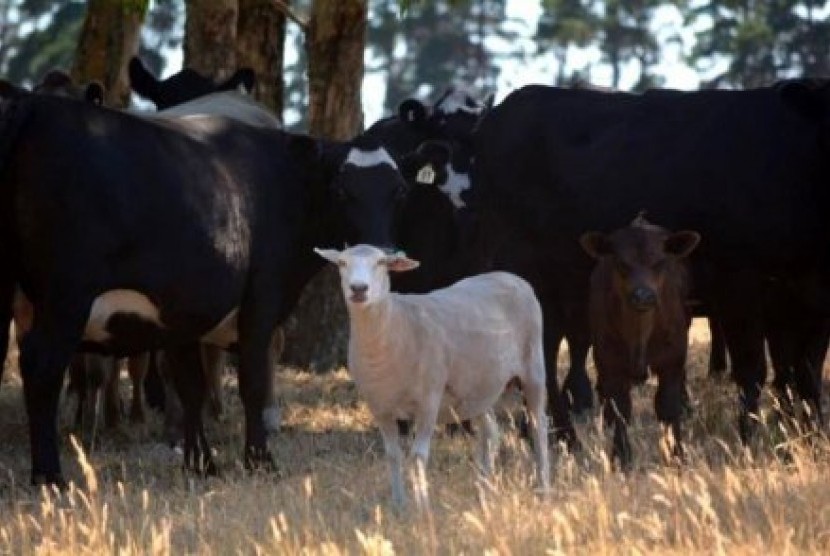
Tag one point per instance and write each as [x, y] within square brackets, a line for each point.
[341, 263]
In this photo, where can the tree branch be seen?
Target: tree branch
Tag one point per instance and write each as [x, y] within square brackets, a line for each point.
[286, 10]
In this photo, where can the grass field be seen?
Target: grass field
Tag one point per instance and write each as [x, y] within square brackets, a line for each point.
[332, 494]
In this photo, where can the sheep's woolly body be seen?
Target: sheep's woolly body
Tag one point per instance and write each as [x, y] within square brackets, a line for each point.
[441, 356]
[458, 346]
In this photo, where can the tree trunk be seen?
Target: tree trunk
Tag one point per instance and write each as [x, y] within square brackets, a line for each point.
[260, 41]
[210, 37]
[335, 40]
[108, 38]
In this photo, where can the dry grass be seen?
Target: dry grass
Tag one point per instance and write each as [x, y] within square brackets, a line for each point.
[332, 493]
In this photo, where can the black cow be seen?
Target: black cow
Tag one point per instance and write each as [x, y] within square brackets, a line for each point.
[186, 85]
[130, 235]
[747, 169]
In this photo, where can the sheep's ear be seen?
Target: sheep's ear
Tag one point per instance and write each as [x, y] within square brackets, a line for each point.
[595, 244]
[331, 255]
[401, 263]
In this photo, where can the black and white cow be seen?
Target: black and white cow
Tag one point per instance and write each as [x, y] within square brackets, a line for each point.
[184, 86]
[128, 235]
[747, 169]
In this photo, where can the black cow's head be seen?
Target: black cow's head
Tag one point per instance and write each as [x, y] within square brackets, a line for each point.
[59, 83]
[454, 116]
[368, 188]
[183, 86]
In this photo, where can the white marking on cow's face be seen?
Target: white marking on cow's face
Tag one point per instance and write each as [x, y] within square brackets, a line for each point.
[460, 100]
[226, 333]
[364, 159]
[456, 184]
[115, 302]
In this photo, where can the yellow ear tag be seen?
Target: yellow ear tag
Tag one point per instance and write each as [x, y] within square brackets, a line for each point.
[426, 175]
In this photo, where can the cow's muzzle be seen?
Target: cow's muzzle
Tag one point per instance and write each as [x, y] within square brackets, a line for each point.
[642, 298]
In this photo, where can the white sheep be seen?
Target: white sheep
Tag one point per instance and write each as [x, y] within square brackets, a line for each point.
[442, 356]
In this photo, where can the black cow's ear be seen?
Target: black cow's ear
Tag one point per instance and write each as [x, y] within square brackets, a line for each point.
[681, 244]
[437, 153]
[595, 244]
[244, 77]
[412, 112]
[54, 79]
[142, 81]
[94, 93]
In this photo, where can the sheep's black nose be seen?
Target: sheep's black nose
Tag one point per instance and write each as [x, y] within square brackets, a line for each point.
[359, 287]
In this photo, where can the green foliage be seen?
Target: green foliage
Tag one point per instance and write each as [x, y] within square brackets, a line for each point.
[44, 37]
[621, 29]
[436, 44]
[763, 40]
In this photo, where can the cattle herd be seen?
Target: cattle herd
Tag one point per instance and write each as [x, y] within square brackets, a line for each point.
[616, 217]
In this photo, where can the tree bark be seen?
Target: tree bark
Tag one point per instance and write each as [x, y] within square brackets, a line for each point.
[335, 42]
[109, 38]
[316, 333]
[260, 41]
[210, 37]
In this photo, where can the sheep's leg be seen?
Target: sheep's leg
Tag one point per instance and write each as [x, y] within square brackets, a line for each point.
[425, 426]
[394, 458]
[535, 394]
[487, 441]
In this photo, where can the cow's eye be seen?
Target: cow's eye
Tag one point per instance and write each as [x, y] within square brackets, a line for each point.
[622, 267]
[659, 266]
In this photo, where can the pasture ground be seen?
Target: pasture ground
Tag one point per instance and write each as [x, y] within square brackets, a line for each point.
[332, 494]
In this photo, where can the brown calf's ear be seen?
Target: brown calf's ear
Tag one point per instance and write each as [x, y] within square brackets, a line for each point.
[680, 244]
[401, 263]
[595, 244]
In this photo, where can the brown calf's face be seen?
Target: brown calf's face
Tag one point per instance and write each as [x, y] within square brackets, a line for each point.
[639, 258]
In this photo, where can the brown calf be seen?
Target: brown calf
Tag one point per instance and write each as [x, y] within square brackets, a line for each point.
[639, 319]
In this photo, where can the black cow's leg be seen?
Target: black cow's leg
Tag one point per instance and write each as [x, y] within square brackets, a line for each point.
[563, 429]
[77, 385]
[257, 321]
[577, 386]
[154, 384]
[214, 360]
[7, 288]
[810, 364]
[113, 408]
[185, 368]
[782, 343]
[717, 349]
[45, 353]
[740, 315]
[90, 397]
[137, 366]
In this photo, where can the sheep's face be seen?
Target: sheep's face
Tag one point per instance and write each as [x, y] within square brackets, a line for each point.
[364, 271]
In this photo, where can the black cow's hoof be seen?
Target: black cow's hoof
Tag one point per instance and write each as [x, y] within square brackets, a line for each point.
[567, 437]
[260, 459]
[49, 479]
